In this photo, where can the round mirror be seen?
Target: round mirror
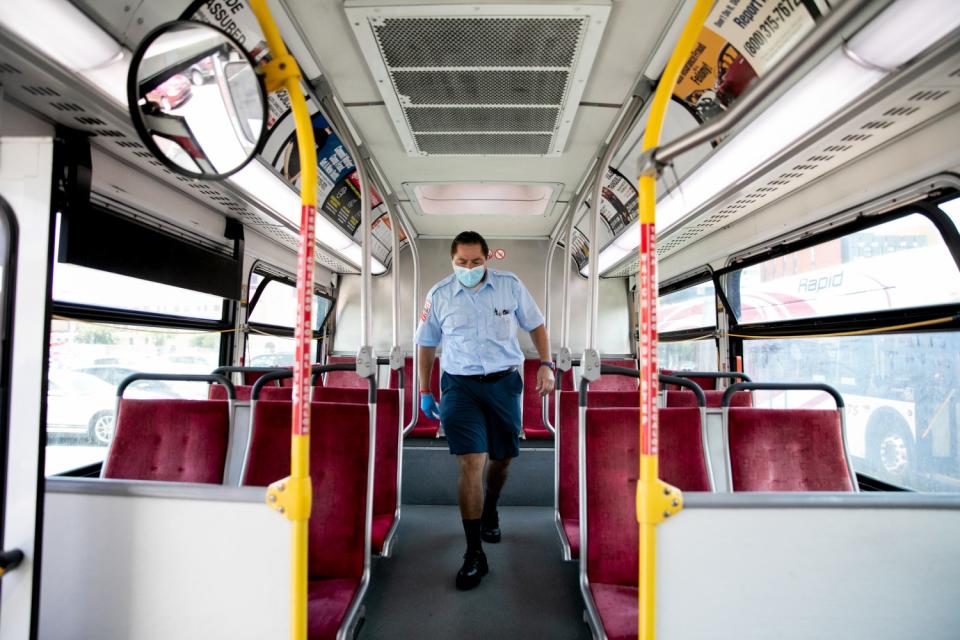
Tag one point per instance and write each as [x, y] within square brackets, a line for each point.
[196, 100]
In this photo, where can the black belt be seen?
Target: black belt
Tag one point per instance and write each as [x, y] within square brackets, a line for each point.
[490, 377]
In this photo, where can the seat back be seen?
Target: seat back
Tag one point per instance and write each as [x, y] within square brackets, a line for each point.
[533, 426]
[786, 450]
[568, 487]
[423, 427]
[616, 382]
[170, 441]
[612, 448]
[343, 379]
[387, 446]
[339, 447]
[687, 399]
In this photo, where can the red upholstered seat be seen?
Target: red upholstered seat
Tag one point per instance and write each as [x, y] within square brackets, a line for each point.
[618, 608]
[170, 441]
[612, 447]
[615, 382]
[338, 463]
[567, 425]
[386, 455]
[706, 384]
[787, 450]
[268, 392]
[424, 427]
[533, 426]
[343, 379]
[327, 603]
[685, 398]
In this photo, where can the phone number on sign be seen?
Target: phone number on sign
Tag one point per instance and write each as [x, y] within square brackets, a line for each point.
[780, 15]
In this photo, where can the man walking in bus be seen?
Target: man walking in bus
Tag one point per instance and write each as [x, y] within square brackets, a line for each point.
[474, 314]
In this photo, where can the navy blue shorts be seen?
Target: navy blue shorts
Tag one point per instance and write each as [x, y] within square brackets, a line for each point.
[482, 417]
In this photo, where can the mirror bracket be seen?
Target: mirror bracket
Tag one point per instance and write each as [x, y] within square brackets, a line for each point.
[277, 71]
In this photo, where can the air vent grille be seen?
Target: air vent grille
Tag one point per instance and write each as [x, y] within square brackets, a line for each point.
[481, 73]
[487, 87]
[478, 42]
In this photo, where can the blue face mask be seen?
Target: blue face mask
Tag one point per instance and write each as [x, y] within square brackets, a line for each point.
[469, 277]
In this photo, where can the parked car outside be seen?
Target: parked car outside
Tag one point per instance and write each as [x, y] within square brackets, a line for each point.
[171, 93]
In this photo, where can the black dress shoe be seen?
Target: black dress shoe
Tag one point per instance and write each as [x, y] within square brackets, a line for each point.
[474, 567]
[490, 528]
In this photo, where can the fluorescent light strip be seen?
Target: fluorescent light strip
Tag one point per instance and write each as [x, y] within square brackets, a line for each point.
[833, 84]
[274, 194]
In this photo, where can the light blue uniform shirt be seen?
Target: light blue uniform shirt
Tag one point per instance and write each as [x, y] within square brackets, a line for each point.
[477, 330]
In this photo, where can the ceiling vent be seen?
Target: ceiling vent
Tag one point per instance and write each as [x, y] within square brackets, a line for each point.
[480, 80]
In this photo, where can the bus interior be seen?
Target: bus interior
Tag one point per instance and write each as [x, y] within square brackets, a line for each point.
[804, 371]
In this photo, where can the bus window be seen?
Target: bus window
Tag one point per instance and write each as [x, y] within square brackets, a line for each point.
[687, 319]
[277, 304]
[270, 340]
[899, 264]
[106, 326]
[903, 413]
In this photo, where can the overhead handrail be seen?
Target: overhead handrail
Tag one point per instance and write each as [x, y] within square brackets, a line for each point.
[179, 377]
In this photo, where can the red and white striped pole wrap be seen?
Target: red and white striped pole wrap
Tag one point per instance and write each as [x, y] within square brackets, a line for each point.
[649, 383]
[304, 328]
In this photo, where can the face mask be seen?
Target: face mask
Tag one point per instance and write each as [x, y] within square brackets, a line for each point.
[469, 277]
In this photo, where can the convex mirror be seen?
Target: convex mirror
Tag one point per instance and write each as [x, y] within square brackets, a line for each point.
[196, 100]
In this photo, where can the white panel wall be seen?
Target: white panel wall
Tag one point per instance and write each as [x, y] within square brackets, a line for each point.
[153, 568]
[802, 573]
[526, 258]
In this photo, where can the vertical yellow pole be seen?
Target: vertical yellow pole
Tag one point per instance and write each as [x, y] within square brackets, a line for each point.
[655, 499]
[292, 496]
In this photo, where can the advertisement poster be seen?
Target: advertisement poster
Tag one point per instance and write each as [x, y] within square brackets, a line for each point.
[338, 185]
[741, 41]
[619, 205]
[580, 250]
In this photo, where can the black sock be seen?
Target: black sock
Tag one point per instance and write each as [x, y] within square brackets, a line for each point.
[472, 530]
[490, 507]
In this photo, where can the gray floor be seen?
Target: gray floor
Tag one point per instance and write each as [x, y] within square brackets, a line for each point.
[430, 476]
[529, 593]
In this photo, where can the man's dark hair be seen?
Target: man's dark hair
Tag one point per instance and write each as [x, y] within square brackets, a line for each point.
[469, 237]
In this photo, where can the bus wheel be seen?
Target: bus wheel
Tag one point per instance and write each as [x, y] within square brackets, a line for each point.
[101, 428]
[891, 447]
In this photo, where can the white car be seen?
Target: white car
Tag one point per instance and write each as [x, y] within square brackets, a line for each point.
[82, 404]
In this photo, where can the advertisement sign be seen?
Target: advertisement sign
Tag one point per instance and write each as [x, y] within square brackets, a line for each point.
[741, 41]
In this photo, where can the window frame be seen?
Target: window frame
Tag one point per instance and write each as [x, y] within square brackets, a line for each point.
[871, 320]
[271, 273]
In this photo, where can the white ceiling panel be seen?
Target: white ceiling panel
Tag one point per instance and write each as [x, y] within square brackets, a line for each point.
[629, 41]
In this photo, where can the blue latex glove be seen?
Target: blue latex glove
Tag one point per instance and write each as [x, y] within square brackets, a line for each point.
[429, 406]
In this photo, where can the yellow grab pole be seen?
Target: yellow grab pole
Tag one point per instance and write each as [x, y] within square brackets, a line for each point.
[292, 495]
[656, 500]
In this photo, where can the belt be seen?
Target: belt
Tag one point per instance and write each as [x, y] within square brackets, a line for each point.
[490, 377]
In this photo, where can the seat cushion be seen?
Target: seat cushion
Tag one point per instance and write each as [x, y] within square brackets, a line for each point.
[381, 527]
[327, 604]
[619, 608]
[572, 529]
